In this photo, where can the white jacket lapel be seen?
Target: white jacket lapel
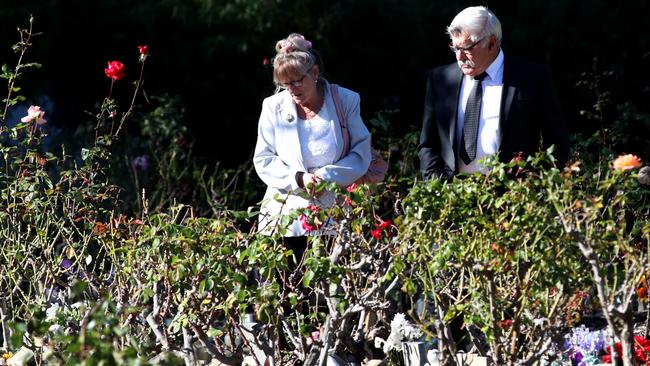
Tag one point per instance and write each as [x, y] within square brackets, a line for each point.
[288, 139]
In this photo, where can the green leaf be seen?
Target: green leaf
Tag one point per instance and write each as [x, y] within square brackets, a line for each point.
[309, 276]
[213, 332]
[293, 299]
[409, 287]
[19, 330]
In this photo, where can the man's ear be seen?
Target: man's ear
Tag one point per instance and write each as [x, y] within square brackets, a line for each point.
[493, 42]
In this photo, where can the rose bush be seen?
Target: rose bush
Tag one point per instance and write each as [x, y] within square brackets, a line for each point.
[507, 256]
[161, 268]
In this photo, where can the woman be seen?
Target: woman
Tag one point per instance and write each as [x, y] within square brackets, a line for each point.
[300, 141]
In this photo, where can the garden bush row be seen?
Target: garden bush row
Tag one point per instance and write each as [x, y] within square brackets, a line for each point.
[121, 249]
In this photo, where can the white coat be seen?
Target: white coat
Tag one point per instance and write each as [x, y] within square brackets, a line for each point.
[278, 155]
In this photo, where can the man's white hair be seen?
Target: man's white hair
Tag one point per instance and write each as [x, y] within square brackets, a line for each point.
[478, 22]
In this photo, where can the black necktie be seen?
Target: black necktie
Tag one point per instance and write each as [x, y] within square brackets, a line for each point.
[467, 149]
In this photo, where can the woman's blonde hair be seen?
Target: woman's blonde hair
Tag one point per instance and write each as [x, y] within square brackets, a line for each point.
[294, 55]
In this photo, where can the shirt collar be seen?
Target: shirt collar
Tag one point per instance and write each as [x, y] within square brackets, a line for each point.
[495, 70]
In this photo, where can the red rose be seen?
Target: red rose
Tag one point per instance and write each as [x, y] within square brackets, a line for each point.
[505, 323]
[497, 248]
[115, 70]
[144, 50]
[376, 233]
[641, 349]
[642, 288]
[607, 358]
[386, 225]
[305, 223]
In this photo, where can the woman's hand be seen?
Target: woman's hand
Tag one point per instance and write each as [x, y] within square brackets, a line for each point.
[310, 181]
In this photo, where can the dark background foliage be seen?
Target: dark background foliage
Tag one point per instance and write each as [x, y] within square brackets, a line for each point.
[211, 52]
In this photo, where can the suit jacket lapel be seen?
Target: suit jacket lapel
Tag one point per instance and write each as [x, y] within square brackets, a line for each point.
[454, 120]
[288, 129]
[507, 96]
[455, 75]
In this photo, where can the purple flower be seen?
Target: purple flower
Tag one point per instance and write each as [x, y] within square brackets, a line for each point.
[583, 345]
[66, 264]
[140, 163]
[577, 356]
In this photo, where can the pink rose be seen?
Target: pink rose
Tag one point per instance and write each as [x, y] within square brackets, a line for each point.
[626, 162]
[34, 113]
[313, 338]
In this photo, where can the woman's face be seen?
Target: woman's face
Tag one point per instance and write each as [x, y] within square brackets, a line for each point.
[301, 86]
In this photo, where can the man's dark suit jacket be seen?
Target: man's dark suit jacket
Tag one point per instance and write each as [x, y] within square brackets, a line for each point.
[530, 117]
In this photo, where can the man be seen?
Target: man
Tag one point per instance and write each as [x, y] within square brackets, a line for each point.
[486, 103]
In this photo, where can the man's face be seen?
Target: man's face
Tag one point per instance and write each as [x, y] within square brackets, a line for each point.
[474, 57]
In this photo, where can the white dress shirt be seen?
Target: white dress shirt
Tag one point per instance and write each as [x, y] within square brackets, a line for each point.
[489, 133]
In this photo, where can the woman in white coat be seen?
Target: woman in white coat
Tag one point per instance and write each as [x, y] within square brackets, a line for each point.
[300, 141]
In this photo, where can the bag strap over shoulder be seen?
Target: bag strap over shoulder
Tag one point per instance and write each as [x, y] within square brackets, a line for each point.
[334, 89]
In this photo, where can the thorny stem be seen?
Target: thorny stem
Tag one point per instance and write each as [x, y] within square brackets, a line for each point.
[153, 322]
[25, 37]
[592, 258]
[83, 325]
[245, 340]
[6, 332]
[647, 284]
[188, 353]
[104, 106]
[135, 94]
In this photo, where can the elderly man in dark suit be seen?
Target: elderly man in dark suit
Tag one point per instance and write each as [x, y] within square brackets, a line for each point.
[486, 103]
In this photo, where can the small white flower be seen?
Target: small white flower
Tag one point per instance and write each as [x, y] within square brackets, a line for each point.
[51, 312]
[432, 358]
[540, 322]
[400, 330]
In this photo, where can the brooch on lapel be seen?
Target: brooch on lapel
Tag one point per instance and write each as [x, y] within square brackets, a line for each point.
[290, 117]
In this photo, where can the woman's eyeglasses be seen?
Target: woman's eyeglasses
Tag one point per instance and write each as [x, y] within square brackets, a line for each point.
[294, 83]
